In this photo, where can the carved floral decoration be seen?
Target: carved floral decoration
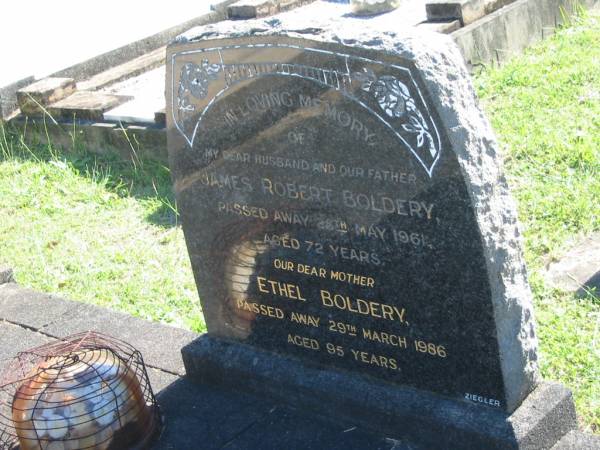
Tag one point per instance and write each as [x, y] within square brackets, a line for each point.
[396, 102]
[194, 82]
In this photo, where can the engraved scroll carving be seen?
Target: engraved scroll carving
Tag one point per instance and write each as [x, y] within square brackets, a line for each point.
[395, 100]
[397, 103]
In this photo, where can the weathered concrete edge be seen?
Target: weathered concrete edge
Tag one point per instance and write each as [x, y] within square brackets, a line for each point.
[55, 317]
[471, 40]
[576, 440]
[500, 35]
[33, 98]
[467, 11]
[134, 49]
[250, 9]
[150, 142]
[8, 97]
[422, 418]
[112, 58]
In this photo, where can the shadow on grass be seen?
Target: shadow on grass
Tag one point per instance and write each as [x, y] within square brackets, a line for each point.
[143, 179]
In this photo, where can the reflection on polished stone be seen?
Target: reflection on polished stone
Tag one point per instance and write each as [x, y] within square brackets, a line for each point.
[240, 268]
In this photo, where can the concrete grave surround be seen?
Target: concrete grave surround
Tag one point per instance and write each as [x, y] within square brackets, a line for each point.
[467, 11]
[578, 270]
[250, 9]
[222, 418]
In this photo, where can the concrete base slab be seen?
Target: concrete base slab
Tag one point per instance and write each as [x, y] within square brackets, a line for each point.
[578, 270]
[202, 416]
[421, 418]
[208, 417]
[134, 111]
[506, 32]
[86, 105]
[54, 317]
[196, 416]
[147, 91]
[16, 338]
[576, 440]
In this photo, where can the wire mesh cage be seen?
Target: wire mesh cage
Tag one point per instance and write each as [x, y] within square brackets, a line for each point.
[88, 391]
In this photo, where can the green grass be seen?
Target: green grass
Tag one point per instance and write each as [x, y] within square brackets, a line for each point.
[104, 231]
[95, 229]
[545, 108]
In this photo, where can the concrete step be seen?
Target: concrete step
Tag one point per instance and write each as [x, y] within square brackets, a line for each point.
[85, 105]
[466, 11]
[444, 27]
[250, 9]
[147, 91]
[124, 71]
[35, 97]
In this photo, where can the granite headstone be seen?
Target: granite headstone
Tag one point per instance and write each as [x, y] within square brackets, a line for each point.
[344, 210]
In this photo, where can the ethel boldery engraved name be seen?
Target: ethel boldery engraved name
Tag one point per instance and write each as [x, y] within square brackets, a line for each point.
[343, 205]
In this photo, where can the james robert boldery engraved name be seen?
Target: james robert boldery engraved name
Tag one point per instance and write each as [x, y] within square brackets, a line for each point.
[269, 187]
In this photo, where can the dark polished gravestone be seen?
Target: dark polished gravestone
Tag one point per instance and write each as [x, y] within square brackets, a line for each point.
[354, 243]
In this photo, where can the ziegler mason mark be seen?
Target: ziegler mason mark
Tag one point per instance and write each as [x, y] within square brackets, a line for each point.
[480, 399]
